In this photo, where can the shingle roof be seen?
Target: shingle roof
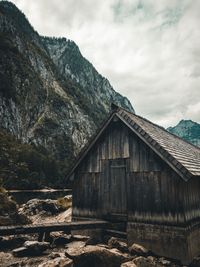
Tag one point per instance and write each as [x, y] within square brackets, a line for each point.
[179, 154]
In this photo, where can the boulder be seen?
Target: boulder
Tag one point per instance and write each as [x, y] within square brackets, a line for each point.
[128, 264]
[40, 206]
[144, 262]
[57, 262]
[31, 248]
[96, 256]
[35, 245]
[139, 250]
[75, 245]
[115, 243]
[20, 252]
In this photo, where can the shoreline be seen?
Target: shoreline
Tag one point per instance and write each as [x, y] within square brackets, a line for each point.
[38, 190]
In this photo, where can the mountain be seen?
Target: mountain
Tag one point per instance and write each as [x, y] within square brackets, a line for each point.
[67, 57]
[50, 95]
[188, 130]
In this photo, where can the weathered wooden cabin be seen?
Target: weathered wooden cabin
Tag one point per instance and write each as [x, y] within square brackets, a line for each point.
[136, 172]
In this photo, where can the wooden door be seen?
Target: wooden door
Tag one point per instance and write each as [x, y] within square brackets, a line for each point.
[118, 189]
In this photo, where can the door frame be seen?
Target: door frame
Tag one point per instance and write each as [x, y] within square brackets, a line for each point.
[119, 217]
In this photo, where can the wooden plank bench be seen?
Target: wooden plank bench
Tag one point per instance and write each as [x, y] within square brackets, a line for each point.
[46, 229]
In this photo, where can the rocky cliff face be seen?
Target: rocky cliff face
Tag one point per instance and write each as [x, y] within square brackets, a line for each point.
[70, 62]
[188, 130]
[50, 95]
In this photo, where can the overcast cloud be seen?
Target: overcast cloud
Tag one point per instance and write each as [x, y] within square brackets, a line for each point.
[149, 50]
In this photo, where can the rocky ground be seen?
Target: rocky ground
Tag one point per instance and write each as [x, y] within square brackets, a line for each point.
[72, 250]
[48, 210]
[78, 251]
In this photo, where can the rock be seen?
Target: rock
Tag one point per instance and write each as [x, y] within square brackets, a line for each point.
[5, 256]
[31, 248]
[93, 241]
[164, 262]
[40, 206]
[62, 240]
[128, 264]
[57, 262]
[96, 256]
[12, 242]
[75, 245]
[195, 262]
[143, 262]
[103, 246]
[80, 238]
[115, 243]
[21, 252]
[139, 250]
[25, 262]
[54, 255]
[151, 258]
[35, 245]
[64, 203]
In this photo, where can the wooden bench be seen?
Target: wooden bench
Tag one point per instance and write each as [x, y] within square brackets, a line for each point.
[45, 229]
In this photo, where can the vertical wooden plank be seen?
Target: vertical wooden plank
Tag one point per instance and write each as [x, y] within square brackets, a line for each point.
[117, 144]
[126, 143]
[134, 153]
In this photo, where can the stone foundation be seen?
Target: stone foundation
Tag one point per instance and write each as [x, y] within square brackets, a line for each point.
[173, 242]
[194, 241]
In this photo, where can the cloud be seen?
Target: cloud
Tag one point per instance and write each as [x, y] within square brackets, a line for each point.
[149, 50]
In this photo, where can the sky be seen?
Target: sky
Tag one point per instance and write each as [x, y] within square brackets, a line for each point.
[148, 49]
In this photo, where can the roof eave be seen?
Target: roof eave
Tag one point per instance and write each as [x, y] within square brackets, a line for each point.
[91, 142]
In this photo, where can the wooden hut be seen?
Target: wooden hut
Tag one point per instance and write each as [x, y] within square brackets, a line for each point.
[137, 173]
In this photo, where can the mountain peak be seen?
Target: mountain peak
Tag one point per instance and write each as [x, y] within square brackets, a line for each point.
[188, 130]
[186, 122]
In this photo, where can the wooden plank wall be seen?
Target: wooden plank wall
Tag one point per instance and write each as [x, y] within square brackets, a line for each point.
[192, 201]
[114, 144]
[155, 191]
